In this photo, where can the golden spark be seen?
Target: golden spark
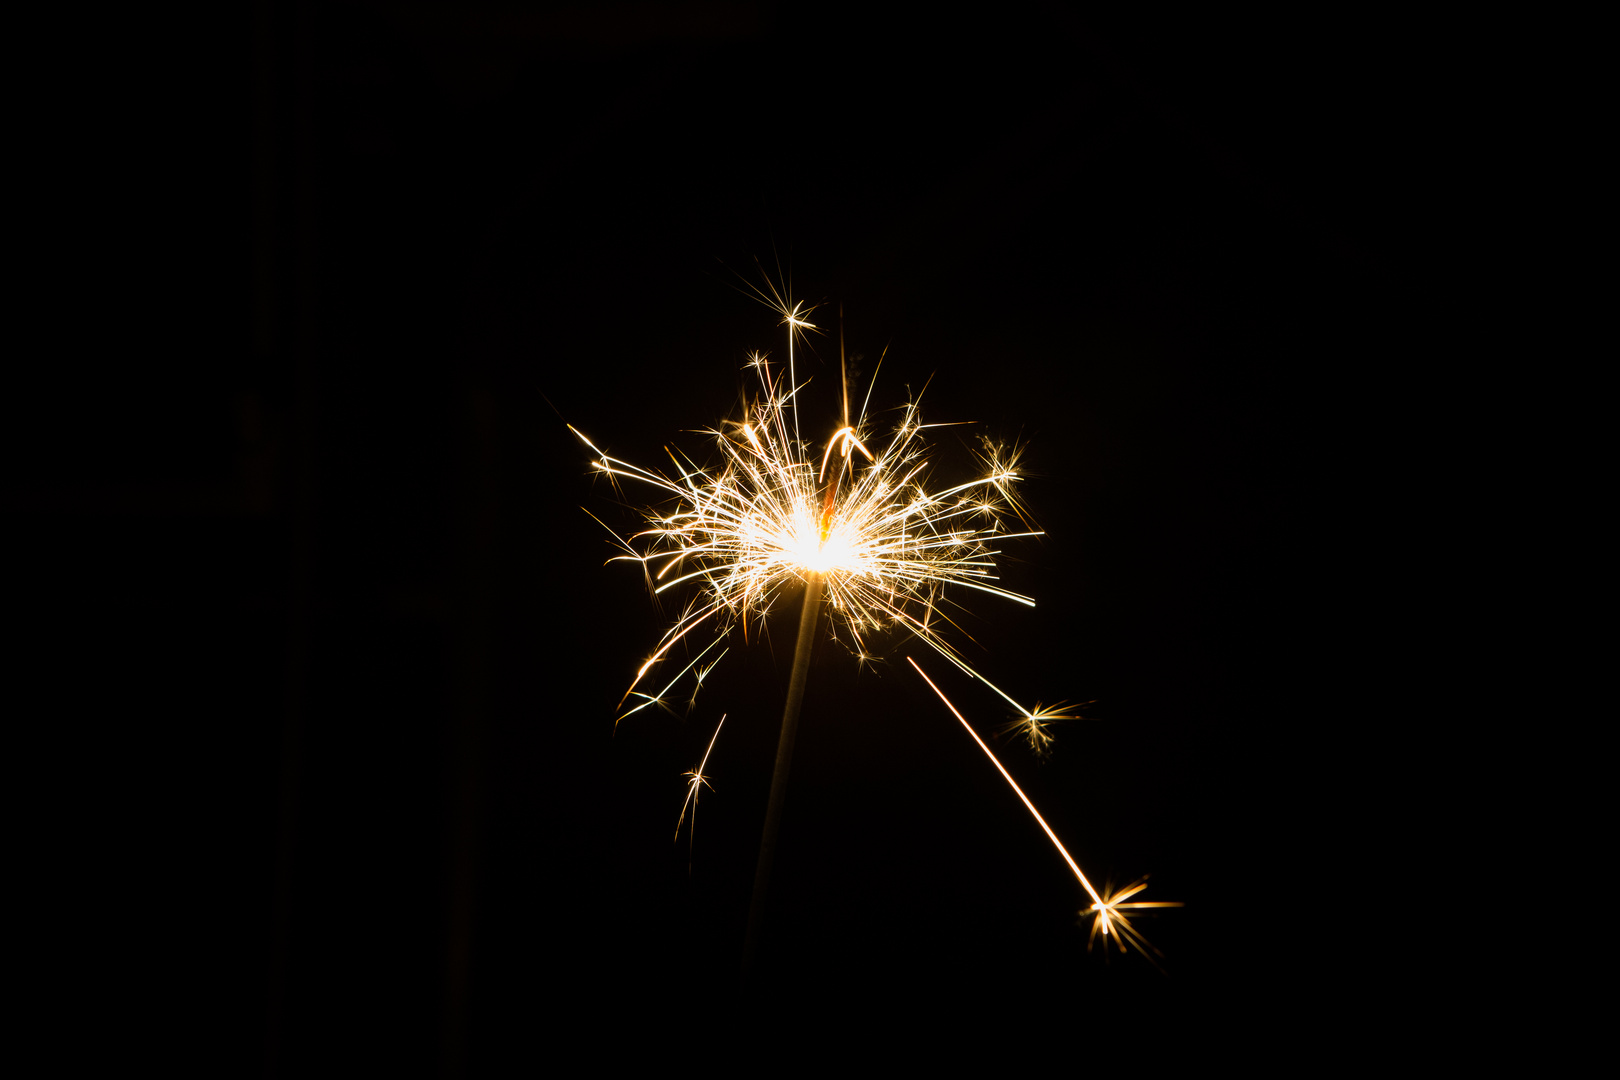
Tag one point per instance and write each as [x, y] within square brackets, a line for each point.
[1108, 912]
[1035, 726]
[1109, 920]
[695, 778]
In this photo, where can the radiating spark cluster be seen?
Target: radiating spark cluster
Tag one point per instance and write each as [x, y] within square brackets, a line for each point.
[770, 513]
[1109, 919]
[1035, 726]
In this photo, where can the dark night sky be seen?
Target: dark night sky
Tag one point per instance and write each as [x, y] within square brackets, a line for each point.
[355, 653]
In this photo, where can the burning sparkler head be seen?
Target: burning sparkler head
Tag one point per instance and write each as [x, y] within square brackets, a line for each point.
[765, 516]
[1109, 919]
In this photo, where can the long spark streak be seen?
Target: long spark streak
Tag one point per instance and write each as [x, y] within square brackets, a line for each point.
[695, 778]
[658, 698]
[1007, 776]
[1109, 911]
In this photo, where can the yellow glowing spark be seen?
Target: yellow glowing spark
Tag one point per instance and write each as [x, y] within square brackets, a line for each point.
[658, 698]
[1007, 776]
[695, 779]
[795, 319]
[1108, 915]
[1035, 726]
[1109, 919]
[847, 435]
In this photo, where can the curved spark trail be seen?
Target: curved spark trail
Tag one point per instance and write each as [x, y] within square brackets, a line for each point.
[1108, 911]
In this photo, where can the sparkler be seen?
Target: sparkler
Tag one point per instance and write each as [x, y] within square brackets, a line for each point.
[871, 538]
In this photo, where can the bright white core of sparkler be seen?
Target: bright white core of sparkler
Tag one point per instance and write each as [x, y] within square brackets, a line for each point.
[765, 517]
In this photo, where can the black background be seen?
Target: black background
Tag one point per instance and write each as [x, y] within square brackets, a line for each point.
[328, 643]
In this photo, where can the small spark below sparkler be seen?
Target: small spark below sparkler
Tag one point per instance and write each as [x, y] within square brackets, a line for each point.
[1035, 726]
[1109, 920]
[1108, 912]
[695, 778]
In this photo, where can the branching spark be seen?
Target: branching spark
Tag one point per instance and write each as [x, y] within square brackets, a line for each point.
[695, 779]
[1034, 726]
[1109, 918]
[658, 698]
[1108, 911]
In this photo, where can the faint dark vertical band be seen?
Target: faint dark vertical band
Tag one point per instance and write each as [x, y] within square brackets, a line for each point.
[474, 663]
[280, 29]
[779, 776]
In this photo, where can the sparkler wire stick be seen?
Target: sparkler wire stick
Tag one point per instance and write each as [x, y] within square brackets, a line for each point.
[779, 775]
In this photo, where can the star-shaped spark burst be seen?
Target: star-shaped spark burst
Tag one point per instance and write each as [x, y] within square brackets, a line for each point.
[695, 779]
[1110, 921]
[1035, 726]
